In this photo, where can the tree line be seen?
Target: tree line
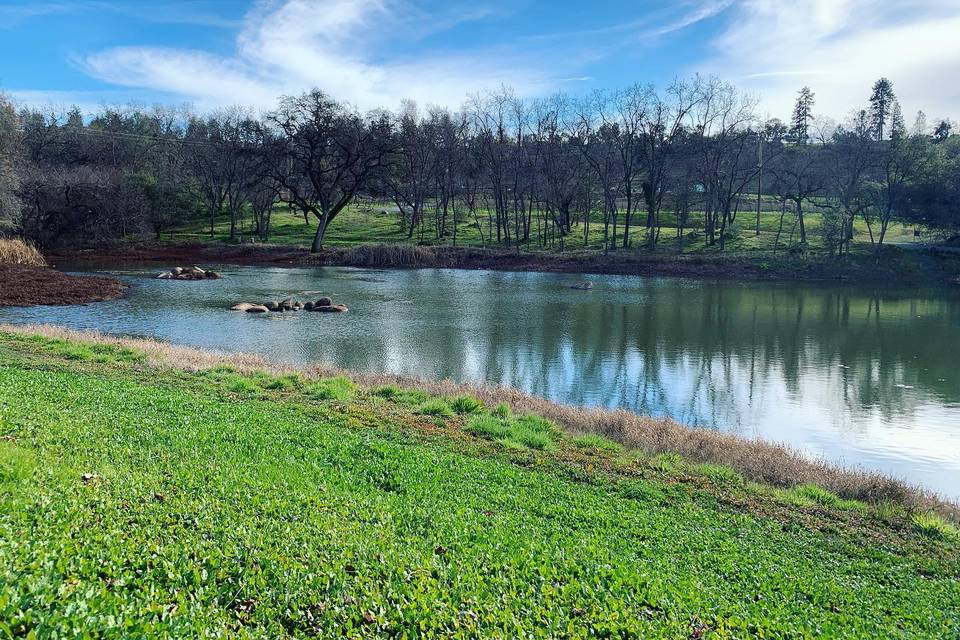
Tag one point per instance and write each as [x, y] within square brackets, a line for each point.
[622, 165]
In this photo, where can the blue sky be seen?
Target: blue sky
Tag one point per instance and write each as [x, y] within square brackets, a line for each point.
[372, 53]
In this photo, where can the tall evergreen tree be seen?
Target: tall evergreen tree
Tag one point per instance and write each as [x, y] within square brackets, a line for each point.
[802, 115]
[920, 126]
[882, 100]
[898, 126]
[942, 131]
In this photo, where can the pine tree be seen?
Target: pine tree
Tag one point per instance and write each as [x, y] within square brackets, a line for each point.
[920, 124]
[942, 132]
[802, 115]
[882, 100]
[898, 127]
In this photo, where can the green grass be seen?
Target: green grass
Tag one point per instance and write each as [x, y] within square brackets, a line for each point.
[337, 388]
[465, 405]
[436, 407]
[144, 502]
[808, 495]
[721, 474]
[597, 443]
[401, 396]
[523, 432]
[367, 224]
[933, 526]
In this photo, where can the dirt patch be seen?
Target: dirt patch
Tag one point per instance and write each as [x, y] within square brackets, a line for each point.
[21, 286]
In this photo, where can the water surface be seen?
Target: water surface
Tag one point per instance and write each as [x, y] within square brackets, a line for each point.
[857, 375]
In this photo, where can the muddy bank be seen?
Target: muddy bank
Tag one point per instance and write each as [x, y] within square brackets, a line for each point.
[22, 286]
[895, 266]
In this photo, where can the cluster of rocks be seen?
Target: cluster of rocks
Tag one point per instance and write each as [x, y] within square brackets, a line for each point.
[321, 305]
[190, 273]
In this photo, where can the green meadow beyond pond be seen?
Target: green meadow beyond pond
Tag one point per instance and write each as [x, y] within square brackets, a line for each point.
[140, 499]
[858, 375]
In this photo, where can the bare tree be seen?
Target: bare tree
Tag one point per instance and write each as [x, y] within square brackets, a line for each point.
[330, 153]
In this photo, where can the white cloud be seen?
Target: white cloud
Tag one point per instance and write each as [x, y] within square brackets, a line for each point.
[839, 48]
[700, 12]
[290, 46]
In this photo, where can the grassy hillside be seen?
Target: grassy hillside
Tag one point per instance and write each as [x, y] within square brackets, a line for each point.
[140, 500]
[366, 224]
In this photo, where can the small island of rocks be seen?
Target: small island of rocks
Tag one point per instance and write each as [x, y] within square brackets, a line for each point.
[323, 305]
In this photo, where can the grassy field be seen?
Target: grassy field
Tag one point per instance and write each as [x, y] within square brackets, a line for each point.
[367, 224]
[138, 499]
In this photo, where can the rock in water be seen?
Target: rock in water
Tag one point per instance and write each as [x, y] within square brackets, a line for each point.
[324, 302]
[176, 271]
[586, 285]
[330, 308]
[308, 306]
[257, 308]
[243, 306]
[272, 305]
[211, 275]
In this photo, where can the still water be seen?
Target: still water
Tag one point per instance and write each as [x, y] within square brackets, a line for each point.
[860, 376]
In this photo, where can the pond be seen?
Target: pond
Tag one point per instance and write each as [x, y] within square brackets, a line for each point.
[858, 375]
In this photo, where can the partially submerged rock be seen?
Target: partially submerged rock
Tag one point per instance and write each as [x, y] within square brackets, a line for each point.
[586, 285]
[323, 305]
[193, 273]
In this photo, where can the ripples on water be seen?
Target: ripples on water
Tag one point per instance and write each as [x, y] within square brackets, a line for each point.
[856, 375]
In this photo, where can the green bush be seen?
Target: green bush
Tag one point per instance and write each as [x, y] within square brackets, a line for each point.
[338, 388]
[806, 495]
[596, 442]
[242, 384]
[437, 407]
[284, 383]
[529, 431]
[933, 526]
[490, 426]
[666, 462]
[466, 405]
[721, 474]
[503, 411]
[401, 396]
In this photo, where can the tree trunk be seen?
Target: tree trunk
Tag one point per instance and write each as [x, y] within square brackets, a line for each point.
[321, 231]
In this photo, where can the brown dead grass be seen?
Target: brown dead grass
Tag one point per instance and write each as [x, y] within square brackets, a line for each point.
[756, 460]
[19, 252]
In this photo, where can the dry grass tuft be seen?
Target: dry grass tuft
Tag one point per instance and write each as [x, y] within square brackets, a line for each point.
[19, 252]
[389, 255]
[755, 460]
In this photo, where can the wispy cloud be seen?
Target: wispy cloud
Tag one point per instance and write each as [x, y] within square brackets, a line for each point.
[698, 12]
[193, 12]
[839, 48]
[289, 46]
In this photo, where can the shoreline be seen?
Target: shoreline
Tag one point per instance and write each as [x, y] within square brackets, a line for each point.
[898, 266]
[24, 286]
[766, 462]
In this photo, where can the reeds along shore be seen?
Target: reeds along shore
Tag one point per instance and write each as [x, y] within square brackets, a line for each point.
[17, 252]
[756, 460]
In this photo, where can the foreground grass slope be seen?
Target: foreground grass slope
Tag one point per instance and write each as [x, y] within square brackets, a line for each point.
[141, 501]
